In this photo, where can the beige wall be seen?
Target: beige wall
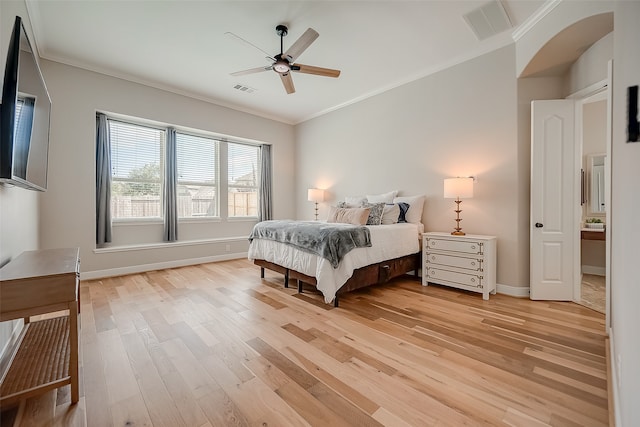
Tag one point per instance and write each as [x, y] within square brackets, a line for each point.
[625, 285]
[68, 207]
[592, 65]
[594, 141]
[594, 117]
[412, 137]
[562, 15]
[18, 207]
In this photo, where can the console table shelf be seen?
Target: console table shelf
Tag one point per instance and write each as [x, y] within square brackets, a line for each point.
[46, 356]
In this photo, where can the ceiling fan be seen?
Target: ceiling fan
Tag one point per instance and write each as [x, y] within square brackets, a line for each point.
[284, 62]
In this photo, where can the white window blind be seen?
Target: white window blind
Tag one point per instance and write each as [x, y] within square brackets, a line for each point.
[197, 160]
[242, 179]
[136, 170]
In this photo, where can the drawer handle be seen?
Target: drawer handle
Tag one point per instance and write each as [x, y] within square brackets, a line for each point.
[432, 243]
[473, 246]
[433, 258]
[473, 280]
[473, 263]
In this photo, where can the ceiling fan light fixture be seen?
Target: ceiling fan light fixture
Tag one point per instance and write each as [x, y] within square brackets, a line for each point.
[281, 67]
[285, 62]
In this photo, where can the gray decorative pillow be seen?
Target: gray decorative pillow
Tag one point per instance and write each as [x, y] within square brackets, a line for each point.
[375, 212]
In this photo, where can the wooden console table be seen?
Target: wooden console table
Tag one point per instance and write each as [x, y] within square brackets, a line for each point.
[46, 356]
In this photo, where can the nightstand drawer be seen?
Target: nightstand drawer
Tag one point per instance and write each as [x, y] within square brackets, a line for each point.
[467, 247]
[472, 264]
[437, 274]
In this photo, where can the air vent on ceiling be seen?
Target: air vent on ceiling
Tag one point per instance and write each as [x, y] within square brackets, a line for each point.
[243, 88]
[488, 20]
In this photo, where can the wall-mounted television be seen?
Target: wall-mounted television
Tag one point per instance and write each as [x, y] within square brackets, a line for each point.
[24, 116]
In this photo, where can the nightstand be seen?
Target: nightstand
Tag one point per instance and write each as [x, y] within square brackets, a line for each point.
[465, 262]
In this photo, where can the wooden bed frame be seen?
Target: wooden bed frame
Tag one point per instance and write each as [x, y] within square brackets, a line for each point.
[362, 277]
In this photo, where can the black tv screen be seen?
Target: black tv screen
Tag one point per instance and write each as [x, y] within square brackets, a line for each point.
[25, 115]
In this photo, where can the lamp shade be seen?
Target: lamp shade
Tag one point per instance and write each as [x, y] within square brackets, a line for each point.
[458, 188]
[315, 195]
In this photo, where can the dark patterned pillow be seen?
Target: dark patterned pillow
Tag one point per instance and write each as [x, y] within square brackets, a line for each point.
[404, 207]
[375, 212]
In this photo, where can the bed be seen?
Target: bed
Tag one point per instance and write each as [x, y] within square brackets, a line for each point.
[394, 251]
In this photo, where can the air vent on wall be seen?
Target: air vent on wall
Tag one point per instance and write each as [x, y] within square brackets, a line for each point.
[488, 20]
[243, 88]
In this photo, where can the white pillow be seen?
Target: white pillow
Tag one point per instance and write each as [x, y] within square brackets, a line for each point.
[354, 202]
[382, 198]
[390, 214]
[416, 204]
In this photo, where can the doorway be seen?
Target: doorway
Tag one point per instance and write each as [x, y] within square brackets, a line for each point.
[558, 218]
[591, 289]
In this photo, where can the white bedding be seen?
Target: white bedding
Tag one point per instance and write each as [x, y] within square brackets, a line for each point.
[387, 242]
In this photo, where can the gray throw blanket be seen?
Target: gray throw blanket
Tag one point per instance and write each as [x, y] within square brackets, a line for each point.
[331, 241]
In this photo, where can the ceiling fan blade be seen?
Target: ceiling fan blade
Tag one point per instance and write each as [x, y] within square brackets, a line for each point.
[287, 81]
[300, 45]
[319, 71]
[237, 38]
[252, 71]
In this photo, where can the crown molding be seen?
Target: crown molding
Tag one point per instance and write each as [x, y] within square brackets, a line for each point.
[531, 22]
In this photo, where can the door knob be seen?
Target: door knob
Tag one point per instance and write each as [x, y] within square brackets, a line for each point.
[538, 225]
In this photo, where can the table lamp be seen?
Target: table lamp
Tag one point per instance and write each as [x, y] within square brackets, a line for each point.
[458, 188]
[315, 195]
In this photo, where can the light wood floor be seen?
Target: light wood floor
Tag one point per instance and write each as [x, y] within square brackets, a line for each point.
[214, 345]
[593, 292]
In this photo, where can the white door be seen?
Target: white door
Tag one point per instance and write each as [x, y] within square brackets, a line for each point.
[552, 199]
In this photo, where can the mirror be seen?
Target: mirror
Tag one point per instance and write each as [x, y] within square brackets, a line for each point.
[596, 202]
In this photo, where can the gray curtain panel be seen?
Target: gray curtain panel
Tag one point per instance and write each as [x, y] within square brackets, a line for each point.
[103, 181]
[170, 189]
[265, 209]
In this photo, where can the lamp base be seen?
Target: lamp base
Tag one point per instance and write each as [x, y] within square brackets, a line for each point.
[458, 230]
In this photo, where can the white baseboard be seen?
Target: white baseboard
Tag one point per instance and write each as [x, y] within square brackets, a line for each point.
[614, 380]
[514, 291]
[591, 269]
[133, 269]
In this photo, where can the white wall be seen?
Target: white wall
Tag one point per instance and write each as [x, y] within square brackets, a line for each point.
[458, 122]
[18, 207]
[625, 233]
[68, 207]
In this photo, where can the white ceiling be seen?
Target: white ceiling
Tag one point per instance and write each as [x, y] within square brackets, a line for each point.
[179, 45]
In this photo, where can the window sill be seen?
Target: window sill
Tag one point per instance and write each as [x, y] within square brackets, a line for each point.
[137, 221]
[242, 219]
[167, 245]
[204, 220]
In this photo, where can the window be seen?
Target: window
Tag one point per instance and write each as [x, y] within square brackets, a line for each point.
[197, 160]
[136, 170]
[138, 161]
[242, 179]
